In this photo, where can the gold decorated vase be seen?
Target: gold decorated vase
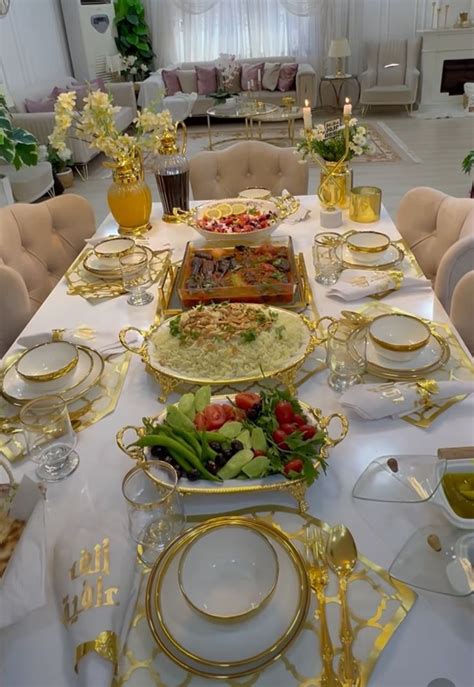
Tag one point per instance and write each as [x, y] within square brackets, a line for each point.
[129, 196]
[337, 191]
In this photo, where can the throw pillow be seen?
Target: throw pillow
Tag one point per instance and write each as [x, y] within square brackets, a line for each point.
[271, 72]
[171, 81]
[206, 80]
[46, 105]
[286, 79]
[249, 79]
[187, 80]
[229, 78]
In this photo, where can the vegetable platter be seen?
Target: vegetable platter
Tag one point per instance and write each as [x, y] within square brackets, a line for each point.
[241, 443]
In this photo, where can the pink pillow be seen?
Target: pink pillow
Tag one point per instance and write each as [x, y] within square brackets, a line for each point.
[171, 81]
[46, 105]
[206, 80]
[97, 85]
[286, 80]
[250, 73]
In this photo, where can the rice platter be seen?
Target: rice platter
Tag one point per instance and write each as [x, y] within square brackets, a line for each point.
[229, 340]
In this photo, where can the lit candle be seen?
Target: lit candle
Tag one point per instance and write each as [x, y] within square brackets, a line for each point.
[347, 107]
[307, 119]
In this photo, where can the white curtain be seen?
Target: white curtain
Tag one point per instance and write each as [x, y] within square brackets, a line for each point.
[195, 6]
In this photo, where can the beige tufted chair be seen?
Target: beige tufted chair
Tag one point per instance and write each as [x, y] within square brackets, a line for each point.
[224, 173]
[440, 231]
[37, 245]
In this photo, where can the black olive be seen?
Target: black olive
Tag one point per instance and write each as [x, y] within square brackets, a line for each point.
[179, 471]
[193, 475]
[227, 453]
[159, 452]
[215, 445]
[220, 460]
[212, 467]
[253, 413]
[236, 445]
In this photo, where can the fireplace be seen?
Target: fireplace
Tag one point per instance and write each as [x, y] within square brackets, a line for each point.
[455, 74]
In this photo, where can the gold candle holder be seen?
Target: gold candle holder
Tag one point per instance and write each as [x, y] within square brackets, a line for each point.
[287, 101]
[365, 205]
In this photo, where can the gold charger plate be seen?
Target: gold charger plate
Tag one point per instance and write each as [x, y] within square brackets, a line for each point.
[295, 487]
[202, 666]
[108, 273]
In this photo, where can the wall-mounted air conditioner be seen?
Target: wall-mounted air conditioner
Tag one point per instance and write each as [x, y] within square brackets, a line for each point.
[90, 34]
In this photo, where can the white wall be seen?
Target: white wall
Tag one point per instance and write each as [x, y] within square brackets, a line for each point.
[33, 46]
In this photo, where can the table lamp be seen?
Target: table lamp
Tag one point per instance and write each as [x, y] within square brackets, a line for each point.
[339, 49]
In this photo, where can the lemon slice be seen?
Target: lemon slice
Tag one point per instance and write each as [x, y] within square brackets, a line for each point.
[214, 212]
[225, 209]
[239, 208]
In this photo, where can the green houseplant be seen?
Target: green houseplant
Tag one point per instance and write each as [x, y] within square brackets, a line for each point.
[467, 165]
[60, 162]
[17, 146]
[133, 38]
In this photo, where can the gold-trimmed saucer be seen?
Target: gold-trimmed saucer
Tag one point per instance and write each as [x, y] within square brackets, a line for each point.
[395, 257]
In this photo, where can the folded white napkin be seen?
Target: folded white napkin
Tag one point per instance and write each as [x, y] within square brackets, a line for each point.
[355, 284]
[298, 216]
[101, 341]
[374, 401]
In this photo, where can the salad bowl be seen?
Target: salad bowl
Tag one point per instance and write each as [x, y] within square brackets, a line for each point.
[246, 471]
[245, 219]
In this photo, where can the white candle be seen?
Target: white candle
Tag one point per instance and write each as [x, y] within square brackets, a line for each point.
[259, 77]
[307, 119]
[347, 107]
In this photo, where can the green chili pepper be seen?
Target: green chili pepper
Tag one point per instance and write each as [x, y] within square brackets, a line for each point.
[177, 449]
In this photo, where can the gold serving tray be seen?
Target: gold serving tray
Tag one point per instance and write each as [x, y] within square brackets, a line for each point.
[169, 381]
[170, 303]
[296, 487]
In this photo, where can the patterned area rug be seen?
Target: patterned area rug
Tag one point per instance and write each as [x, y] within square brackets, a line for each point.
[388, 147]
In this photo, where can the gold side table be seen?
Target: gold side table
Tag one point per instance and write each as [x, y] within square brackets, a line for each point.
[337, 83]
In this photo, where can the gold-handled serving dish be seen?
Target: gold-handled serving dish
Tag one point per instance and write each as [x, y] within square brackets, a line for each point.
[241, 219]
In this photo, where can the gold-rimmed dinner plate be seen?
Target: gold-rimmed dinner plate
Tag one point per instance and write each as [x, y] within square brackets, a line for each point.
[104, 269]
[233, 649]
[433, 356]
[85, 375]
[387, 259]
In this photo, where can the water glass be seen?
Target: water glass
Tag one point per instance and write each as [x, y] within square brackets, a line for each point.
[155, 507]
[136, 276]
[345, 355]
[326, 265]
[49, 437]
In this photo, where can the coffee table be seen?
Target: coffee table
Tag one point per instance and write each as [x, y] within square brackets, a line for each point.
[279, 114]
[244, 111]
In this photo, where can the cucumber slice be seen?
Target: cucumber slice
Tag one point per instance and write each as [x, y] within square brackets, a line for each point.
[257, 467]
[235, 464]
[258, 441]
[202, 398]
[186, 405]
[231, 429]
[244, 438]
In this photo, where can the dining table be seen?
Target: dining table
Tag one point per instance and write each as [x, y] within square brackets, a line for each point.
[437, 637]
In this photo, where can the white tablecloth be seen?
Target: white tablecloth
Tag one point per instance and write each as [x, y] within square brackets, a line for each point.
[435, 640]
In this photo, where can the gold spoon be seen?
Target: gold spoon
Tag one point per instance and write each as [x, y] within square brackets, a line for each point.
[355, 318]
[341, 554]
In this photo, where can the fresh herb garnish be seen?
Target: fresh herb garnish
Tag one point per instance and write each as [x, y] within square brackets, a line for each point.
[248, 336]
[175, 326]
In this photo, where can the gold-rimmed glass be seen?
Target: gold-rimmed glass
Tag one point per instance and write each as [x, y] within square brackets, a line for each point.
[49, 437]
[346, 363]
[136, 277]
[327, 267]
[155, 507]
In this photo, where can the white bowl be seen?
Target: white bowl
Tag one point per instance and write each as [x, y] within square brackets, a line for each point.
[113, 249]
[228, 573]
[259, 193]
[262, 206]
[464, 465]
[399, 337]
[367, 246]
[47, 361]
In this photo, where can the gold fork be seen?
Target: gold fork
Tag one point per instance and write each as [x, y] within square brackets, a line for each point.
[318, 579]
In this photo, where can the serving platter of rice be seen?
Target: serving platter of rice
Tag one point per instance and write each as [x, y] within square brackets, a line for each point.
[225, 342]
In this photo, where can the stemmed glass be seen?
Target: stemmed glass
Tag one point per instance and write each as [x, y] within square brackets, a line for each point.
[49, 437]
[136, 276]
[155, 508]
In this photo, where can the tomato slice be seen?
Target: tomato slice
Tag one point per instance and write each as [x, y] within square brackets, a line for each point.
[229, 411]
[200, 421]
[247, 400]
[215, 416]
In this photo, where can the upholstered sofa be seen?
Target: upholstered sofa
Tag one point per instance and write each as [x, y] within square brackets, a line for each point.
[305, 85]
[41, 124]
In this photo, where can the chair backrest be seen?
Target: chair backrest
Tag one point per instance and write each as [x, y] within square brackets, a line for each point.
[37, 245]
[462, 309]
[391, 60]
[224, 173]
[431, 222]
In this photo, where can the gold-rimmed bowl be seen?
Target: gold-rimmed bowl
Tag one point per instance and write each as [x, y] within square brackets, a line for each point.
[367, 246]
[256, 192]
[229, 573]
[47, 361]
[399, 337]
[111, 250]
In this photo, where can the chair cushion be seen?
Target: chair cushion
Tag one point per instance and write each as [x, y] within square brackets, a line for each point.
[271, 73]
[187, 80]
[124, 118]
[391, 95]
[286, 79]
[249, 78]
[45, 105]
[171, 81]
[206, 80]
[394, 53]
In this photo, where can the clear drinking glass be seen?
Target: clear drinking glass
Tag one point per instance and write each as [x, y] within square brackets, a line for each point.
[50, 438]
[346, 362]
[326, 265]
[136, 276]
[155, 507]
